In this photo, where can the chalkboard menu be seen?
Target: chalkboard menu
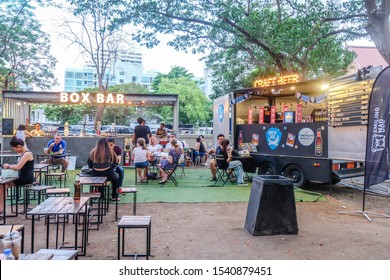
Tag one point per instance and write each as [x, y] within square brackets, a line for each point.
[8, 126]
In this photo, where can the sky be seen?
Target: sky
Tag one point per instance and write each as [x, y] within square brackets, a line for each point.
[161, 58]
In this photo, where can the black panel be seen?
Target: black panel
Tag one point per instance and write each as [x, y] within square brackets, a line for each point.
[8, 126]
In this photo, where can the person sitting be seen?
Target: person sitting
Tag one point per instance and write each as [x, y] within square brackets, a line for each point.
[161, 132]
[117, 166]
[170, 161]
[37, 131]
[140, 157]
[198, 151]
[25, 166]
[236, 165]
[57, 149]
[101, 160]
[153, 147]
[169, 146]
[213, 164]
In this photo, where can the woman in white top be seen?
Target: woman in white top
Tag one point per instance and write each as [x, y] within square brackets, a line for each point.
[154, 147]
[22, 133]
[141, 158]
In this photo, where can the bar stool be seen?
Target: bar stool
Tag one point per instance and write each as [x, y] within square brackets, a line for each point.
[17, 194]
[58, 176]
[131, 222]
[95, 196]
[132, 190]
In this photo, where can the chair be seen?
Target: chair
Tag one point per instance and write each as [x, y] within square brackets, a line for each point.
[224, 173]
[171, 173]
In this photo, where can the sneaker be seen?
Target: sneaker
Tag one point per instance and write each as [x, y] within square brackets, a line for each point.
[213, 179]
[242, 184]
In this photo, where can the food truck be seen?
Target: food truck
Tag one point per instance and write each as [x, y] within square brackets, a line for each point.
[307, 131]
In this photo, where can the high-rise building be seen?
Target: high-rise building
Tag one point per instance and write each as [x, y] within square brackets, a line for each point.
[123, 67]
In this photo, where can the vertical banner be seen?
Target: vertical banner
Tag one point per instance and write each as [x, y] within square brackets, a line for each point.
[250, 116]
[298, 115]
[377, 147]
[261, 115]
[284, 110]
[273, 114]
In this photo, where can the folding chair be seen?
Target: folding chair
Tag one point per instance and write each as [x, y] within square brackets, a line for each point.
[223, 172]
[171, 173]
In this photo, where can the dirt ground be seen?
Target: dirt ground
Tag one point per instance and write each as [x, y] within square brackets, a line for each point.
[184, 231]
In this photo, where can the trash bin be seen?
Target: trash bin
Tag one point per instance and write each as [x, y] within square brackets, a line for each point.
[271, 207]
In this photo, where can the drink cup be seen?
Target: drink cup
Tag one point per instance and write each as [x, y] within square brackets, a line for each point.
[13, 241]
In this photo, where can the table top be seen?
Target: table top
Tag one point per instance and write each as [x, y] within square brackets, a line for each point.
[59, 206]
[41, 165]
[30, 257]
[160, 154]
[92, 180]
[9, 155]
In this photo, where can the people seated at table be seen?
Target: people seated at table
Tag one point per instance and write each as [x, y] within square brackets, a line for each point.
[102, 159]
[140, 157]
[169, 145]
[117, 166]
[228, 163]
[154, 147]
[37, 131]
[198, 151]
[170, 161]
[161, 132]
[22, 133]
[213, 164]
[24, 166]
[57, 150]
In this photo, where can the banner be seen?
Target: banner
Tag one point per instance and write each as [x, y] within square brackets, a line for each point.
[240, 99]
[377, 147]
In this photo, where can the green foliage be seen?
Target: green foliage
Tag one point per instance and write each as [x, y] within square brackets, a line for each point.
[25, 58]
[194, 105]
[175, 72]
[241, 36]
[72, 114]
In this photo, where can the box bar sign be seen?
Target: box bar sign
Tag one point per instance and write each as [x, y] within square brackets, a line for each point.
[91, 98]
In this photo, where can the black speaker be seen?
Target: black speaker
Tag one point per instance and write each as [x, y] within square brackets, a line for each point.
[271, 207]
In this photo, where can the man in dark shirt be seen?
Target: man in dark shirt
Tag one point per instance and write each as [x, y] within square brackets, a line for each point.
[141, 131]
[118, 151]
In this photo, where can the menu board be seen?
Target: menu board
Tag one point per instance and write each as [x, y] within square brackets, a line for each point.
[348, 105]
[8, 126]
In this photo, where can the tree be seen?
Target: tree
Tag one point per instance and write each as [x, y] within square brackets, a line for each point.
[73, 114]
[242, 36]
[193, 104]
[98, 40]
[25, 58]
[175, 72]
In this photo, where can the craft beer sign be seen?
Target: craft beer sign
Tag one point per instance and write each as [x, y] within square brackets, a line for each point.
[92, 98]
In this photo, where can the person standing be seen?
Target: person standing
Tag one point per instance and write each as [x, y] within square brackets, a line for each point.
[141, 131]
[22, 133]
[141, 157]
[117, 166]
[57, 150]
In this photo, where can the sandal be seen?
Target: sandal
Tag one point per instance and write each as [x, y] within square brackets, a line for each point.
[115, 199]
[162, 182]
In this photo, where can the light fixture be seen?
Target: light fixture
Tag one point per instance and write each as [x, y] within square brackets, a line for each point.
[324, 86]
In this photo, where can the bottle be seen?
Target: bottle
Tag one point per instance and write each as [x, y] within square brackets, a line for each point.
[318, 143]
[240, 140]
[60, 151]
[77, 190]
[8, 254]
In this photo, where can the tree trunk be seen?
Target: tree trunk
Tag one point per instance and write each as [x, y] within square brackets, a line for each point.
[99, 115]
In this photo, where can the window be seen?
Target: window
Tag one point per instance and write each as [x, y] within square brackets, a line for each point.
[121, 81]
[79, 75]
[145, 80]
[69, 75]
[134, 79]
[121, 73]
[69, 82]
[79, 83]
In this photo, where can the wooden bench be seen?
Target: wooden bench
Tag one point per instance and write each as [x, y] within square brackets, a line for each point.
[58, 192]
[134, 222]
[60, 254]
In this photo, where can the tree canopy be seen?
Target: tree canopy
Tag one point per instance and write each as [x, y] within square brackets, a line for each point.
[238, 37]
[25, 59]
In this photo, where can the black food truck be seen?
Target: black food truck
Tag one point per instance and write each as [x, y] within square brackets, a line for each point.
[307, 131]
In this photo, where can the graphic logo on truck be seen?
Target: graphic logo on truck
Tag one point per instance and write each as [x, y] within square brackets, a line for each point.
[306, 136]
[221, 111]
[273, 137]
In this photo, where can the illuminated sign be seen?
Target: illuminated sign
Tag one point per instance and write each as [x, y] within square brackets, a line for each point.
[89, 98]
[274, 81]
